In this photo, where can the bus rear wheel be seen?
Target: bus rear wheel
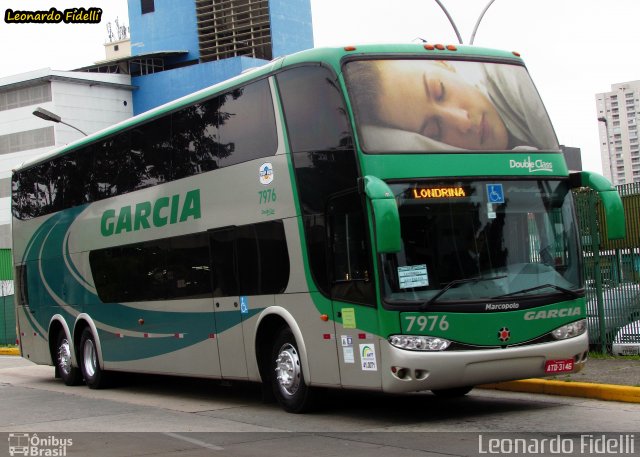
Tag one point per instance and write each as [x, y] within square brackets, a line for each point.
[287, 379]
[70, 375]
[453, 392]
[94, 376]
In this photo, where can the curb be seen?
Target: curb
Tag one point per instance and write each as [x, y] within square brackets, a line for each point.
[9, 351]
[595, 391]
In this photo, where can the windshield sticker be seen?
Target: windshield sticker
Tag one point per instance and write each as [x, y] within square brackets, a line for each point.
[348, 318]
[368, 357]
[495, 193]
[413, 276]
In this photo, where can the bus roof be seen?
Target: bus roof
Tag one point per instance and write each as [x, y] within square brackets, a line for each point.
[332, 56]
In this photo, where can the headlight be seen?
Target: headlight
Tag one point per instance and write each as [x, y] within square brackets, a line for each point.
[419, 343]
[570, 330]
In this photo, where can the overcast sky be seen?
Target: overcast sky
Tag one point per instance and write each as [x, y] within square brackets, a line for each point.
[573, 48]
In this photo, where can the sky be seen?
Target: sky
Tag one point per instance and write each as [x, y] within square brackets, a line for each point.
[572, 48]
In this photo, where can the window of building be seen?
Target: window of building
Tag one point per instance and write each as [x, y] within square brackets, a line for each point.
[147, 6]
[24, 141]
[25, 96]
[230, 28]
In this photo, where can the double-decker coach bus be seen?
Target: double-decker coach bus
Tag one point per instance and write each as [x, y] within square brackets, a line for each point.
[387, 218]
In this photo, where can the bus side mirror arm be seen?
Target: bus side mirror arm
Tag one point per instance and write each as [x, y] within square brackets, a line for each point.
[386, 218]
[611, 201]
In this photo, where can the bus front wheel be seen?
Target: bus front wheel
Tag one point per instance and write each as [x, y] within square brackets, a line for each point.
[93, 374]
[70, 375]
[287, 379]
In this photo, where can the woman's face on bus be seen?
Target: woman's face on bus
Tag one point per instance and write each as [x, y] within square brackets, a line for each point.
[431, 99]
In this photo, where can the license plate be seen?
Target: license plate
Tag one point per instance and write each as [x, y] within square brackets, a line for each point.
[558, 366]
[631, 350]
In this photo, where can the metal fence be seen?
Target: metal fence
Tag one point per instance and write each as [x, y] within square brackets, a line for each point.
[612, 272]
[7, 320]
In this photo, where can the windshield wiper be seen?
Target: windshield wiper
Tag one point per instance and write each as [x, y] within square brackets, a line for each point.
[457, 282]
[565, 291]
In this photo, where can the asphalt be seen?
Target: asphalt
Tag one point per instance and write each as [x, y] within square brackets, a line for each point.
[613, 379]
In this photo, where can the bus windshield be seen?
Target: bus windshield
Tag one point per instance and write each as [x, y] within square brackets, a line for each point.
[421, 105]
[479, 241]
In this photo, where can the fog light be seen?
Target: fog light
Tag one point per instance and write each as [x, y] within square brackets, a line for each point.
[570, 330]
[419, 343]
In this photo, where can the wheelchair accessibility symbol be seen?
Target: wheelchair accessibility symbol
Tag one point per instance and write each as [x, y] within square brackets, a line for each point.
[495, 193]
[244, 305]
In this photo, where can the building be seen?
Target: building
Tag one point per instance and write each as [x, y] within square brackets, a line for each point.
[573, 157]
[618, 116]
[87, 101]
[180, 47]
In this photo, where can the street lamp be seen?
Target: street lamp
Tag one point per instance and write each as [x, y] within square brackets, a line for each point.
[606, 130]
[49, 116]
[455, 29]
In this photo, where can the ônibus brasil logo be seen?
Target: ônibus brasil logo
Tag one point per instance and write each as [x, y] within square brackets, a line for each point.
[534, 166]
[34, 445]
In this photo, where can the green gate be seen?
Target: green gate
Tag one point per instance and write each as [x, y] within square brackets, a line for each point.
[611, 267]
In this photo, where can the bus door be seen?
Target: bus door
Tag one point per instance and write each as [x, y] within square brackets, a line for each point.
[353, 293]
[227, 302]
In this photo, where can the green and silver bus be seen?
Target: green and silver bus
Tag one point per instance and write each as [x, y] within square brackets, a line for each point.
[392, 218]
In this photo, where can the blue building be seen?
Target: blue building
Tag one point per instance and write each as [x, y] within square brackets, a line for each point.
[178, 47]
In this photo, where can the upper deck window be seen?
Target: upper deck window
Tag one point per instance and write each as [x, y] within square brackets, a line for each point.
[423, 105]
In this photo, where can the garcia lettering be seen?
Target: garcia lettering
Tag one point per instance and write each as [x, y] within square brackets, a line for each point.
[552, 313]
[144, 215]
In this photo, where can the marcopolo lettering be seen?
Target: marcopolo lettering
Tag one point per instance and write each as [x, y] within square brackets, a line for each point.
[552, 313]
[144, 215]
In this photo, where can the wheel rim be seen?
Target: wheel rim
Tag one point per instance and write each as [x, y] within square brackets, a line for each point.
[288, 373]
[64, 356]
[89, 357]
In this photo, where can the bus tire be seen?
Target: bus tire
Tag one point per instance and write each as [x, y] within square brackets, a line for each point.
[453, 392]
[287, 379]
[94, 376]
[72, 376]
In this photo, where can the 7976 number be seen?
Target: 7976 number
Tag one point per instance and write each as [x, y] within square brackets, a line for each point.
[428, 323]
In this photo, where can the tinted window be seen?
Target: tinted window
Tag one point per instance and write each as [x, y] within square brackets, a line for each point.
[151, 153]
[250, 260]
[225, 130]
[314, 109]
[351, 264]
[247, 127]
[166, 269]
[195, 139]
[323, 154]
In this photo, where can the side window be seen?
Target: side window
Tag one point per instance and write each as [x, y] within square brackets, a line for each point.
[351, 264]
[166, 269]
[151, 153]
[195, 139]
[247, 126]
[250, 260]
[22, 285]
[223, 262]
[314, 108]
[323, 155]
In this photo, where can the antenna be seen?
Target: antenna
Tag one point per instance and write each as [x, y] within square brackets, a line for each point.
[453, 24]
[109, 32]
[475, 29]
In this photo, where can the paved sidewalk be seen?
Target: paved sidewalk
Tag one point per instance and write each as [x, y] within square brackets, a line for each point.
[602, 379]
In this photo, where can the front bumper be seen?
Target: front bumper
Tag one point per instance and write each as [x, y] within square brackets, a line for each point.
[416, 371]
